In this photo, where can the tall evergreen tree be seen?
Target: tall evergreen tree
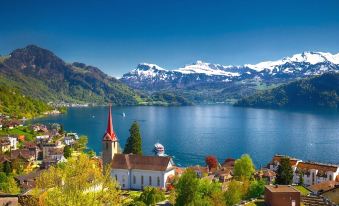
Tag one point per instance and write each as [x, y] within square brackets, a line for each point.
[7, 168]
[285, 172]
[134, 142]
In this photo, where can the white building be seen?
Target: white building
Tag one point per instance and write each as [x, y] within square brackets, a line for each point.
[136, 171]
[312, 172]
[315, 173]
[14, 142]
[274, 164]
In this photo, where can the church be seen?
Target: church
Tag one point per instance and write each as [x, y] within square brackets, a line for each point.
[130, 170]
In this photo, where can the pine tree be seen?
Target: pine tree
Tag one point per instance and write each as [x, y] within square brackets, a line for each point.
[7, 168]
[285, 172]
[134, 142]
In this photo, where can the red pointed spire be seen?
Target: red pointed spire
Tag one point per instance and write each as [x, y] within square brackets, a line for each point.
[110, 134]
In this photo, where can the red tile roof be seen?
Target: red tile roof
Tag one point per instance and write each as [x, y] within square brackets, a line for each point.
[131, 161]
[23, 153]
[317, 166]
[324, 186]
[277, 158]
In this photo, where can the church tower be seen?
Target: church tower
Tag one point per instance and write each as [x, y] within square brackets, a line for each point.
[109, 141]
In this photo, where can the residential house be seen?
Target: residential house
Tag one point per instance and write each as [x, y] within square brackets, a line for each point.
[312, 172]
[137, 171]
[13, 141]
[27, 181]
[5, 145]
[42, 139]
[33, 149]
[281, 195]
[224, 174]
[26, 158]
[39, 128]
[315, 173]
[199, 170]
[4, 159]
[229, 163]
[69, 140]
[274, 164]
[266, 174]
[57, 154]
[47, 148]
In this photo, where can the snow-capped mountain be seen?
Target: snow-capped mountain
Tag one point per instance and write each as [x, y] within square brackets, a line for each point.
[151, 76]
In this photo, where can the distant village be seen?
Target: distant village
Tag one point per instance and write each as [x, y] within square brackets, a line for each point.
[28, 151]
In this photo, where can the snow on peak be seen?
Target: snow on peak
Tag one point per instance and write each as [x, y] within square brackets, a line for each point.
[147, 66]
[200, 67]
[306, 57]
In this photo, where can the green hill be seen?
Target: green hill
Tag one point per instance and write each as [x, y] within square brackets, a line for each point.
[39, 73]
[13, 103]
[320, 91]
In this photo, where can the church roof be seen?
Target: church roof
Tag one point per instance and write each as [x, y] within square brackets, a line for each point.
[132, 161]
[110, 134]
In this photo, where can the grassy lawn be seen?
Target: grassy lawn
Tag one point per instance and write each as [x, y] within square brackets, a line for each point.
[302, 190]
[257, 203]
[18, 131]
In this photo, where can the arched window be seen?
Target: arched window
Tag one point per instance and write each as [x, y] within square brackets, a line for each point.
[150, 180]
[330, 177]
[116, 177]
[134, 179]
[142, 180]
[158, 181]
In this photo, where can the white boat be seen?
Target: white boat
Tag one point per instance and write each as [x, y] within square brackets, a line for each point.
[159, 149]
[123, 114]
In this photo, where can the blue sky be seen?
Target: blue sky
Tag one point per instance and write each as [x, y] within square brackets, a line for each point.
[117, 35]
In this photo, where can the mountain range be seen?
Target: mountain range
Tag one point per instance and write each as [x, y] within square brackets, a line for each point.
[318, 91]
[39, 73]
[206, 82]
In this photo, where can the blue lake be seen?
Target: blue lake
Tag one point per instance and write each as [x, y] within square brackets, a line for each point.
[190, 133]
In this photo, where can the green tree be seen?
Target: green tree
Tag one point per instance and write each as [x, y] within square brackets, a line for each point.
[134, 141]
[91, 153]
[79, 180]
[284, 172]
[244, 167]
[7, 168]
[210, 192]
[81, 144]
[233, 195]
[301, 178]
[187, 188]
[68, 151]
[18, 165]
[8, 184]
[256, 189]
[152, 195]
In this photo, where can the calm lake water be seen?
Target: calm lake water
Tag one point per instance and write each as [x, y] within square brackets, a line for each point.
[190, 133]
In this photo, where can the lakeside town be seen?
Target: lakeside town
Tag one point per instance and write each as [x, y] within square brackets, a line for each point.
[43, 164]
